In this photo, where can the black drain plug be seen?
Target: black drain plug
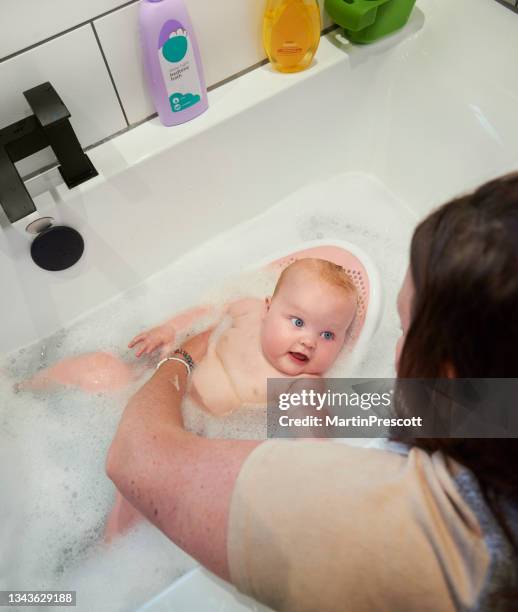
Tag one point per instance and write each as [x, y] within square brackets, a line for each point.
[57, 248]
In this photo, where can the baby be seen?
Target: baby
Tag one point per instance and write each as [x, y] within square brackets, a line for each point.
[298, 332]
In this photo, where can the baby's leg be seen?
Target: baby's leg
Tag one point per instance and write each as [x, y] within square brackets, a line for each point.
[122, 517]
[91, 372]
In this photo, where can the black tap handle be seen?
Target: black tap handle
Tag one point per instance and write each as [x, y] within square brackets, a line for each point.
[46, 105]
[48, 126]
[53, 116]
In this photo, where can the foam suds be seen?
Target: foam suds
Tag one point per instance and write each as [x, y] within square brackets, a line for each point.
[55, 494]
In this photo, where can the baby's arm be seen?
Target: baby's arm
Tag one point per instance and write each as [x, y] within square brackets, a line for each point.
[163, 336]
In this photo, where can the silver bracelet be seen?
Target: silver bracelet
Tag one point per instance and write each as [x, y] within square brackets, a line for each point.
[161, 362]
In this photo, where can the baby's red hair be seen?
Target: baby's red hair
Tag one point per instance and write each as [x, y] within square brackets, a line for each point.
[324, 270]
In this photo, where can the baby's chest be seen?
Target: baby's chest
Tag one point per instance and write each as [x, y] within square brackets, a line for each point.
[239, 351]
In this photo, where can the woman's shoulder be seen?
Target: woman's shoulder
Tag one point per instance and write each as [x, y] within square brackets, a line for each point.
[410, 475]
[387, 459]
[378, 514]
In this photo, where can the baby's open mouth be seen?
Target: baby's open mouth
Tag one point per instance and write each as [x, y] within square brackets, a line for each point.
[300, 357]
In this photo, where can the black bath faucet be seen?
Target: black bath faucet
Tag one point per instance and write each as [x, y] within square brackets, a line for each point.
[49, 126]
[512, 4]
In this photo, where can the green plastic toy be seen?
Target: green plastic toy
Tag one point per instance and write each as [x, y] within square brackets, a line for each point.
[365, 21]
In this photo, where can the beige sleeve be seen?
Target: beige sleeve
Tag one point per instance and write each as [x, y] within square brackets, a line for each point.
[318, 526]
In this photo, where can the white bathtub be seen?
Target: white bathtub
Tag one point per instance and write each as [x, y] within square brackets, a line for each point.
[377, 134]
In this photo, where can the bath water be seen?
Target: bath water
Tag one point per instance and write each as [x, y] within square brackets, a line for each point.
[53, 445]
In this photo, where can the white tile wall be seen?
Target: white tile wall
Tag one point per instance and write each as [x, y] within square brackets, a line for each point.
[230, 40]
[26, 22]
[75, 67]
[119, 38]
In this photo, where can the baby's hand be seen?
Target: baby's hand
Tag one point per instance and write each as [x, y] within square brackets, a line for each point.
[161, 337]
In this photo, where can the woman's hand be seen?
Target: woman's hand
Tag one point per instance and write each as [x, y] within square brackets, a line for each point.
[161, 337]
[197, 345]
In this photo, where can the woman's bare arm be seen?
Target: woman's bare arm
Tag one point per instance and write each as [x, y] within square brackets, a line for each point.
[181, 482]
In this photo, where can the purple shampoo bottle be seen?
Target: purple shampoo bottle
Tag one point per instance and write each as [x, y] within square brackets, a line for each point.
[172, 61]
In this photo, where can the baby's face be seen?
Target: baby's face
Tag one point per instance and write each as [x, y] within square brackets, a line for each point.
[304, 326]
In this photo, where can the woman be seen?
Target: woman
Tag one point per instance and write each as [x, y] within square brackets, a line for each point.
[321, 526]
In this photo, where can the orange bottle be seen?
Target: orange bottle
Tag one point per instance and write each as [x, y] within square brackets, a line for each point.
[291, 33]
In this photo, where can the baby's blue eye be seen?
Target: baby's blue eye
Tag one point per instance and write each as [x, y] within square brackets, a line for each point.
[327, 335]
[297, 322]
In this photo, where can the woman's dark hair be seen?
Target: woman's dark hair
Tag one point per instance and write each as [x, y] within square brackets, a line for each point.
[464, 317]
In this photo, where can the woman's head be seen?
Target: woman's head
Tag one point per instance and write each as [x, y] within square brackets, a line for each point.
[459, 311]
[459, 302]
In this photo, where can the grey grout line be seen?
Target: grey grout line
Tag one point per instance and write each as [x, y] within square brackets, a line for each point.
[329, 28]
[241, 73]
[67, 31]
[110, 73]
[123, 131]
